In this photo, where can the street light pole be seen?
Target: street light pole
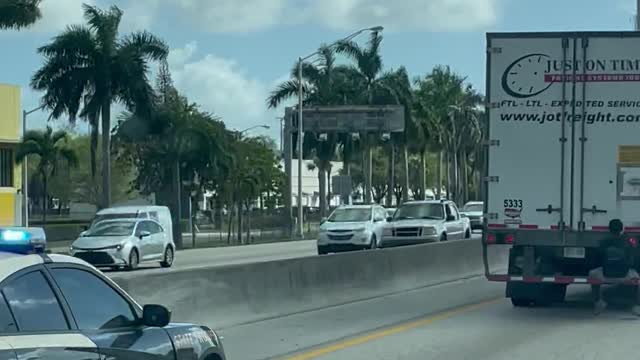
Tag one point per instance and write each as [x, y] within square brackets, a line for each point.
[300, 226]
[25, 176]
[253, 127]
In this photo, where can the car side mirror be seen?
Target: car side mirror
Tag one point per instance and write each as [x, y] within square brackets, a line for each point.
[450, 218]
[144, 234]
[83, 233]
[389, 218]
[84, 228]
[323, 220]
[155, 316]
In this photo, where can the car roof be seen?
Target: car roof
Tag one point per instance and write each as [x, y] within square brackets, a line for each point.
[130, 209]
[427, 202]
[474, 203]
[357, 206]
[12, 262]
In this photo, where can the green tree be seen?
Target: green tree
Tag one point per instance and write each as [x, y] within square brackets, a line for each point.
[90, 67]
[176, 146]
[324, 83]
[18, 14]
[51, 149]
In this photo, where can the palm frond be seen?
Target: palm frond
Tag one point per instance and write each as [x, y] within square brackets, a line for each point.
[18, 14]
[284, 91]
[76, 42]
[144, 44]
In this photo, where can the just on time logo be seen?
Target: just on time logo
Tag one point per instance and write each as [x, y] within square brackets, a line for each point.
[534, 73]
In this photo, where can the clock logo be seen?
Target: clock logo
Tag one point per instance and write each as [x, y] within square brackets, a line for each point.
[525, 77]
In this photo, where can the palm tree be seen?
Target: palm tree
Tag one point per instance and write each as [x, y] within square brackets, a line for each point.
[369, 71]
[90, 67]
[51, 148]
[18, 14]
[436, 94]
[324, 83]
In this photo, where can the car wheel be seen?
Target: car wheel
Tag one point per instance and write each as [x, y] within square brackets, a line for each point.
[168, 257]
[374, 242]
[134, 260]
[443, 237]
[467, 234]
[323, 250]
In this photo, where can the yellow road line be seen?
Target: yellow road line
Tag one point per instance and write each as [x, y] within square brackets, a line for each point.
[312, 354]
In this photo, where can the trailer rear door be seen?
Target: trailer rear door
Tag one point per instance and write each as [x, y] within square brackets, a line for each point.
[529, 150]
[607, 145]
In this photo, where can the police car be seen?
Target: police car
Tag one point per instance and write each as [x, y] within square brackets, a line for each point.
[59, 307]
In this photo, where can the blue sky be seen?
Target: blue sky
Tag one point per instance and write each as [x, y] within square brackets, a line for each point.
[228, 54]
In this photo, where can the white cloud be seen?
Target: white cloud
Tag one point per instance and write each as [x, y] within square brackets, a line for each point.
[57, 14]
[222, 87]
[434, 15]
[226, 16]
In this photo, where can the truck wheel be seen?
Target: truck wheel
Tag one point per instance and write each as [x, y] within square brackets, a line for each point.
[443, 237]
[323, 250]
[520, 302]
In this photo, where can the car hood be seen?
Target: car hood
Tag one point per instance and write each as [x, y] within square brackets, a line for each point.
[415, 222]
[97, 242]
[344, 225]
[473, 213]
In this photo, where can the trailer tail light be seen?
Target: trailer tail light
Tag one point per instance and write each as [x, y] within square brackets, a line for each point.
[509, 238]
[491, 238]
[633, 242]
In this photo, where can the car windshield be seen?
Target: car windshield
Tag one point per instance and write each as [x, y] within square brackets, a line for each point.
[350, 215]
[102, 217]
[111, 228]
[473, 207]
[420, 211]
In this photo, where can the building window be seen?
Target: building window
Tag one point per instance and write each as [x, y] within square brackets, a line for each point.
[6, 167]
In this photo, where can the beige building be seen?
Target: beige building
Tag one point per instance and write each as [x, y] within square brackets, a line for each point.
[10, 173]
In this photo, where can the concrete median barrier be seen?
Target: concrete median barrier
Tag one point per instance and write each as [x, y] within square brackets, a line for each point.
[224, 296]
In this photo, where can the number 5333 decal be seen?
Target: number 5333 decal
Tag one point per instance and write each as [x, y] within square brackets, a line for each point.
[513, 203]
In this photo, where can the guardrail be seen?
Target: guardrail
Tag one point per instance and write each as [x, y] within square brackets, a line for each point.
[236, 294]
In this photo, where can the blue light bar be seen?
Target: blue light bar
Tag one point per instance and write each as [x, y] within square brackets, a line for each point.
[22, 240]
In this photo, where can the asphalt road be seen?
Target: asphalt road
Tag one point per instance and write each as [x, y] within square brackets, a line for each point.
[463, 320]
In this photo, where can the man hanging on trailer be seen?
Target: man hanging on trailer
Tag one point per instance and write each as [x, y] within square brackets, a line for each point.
[618, 255]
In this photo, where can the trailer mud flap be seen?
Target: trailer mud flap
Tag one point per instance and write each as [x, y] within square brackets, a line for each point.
[541, 293]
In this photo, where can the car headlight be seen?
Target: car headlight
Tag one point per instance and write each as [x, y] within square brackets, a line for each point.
[71, 248]
[117, 247]
[429, 231]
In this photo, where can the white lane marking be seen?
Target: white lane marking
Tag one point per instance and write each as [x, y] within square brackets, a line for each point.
[49, 341]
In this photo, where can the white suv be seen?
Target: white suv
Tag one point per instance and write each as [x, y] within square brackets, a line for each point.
[417, 222]
[352, 227]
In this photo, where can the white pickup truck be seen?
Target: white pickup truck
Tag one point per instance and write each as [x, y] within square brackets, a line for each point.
[562, 155]
[417, 222]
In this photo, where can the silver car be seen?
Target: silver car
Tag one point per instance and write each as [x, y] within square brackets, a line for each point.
[417, 222]
[124, 243]
[352, 227]
[474, 211]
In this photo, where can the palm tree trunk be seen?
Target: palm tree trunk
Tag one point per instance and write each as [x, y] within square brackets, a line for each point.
[177, 203]
[106, 153]
[44, 198]
[329, 166]
[369, 170]
[392, 163]
[447, 164]
[94, 149]
[423, 177]
[230, 225]
[322, 187]
[239, 210]
[465, 177]
[405, 165]
[456, 177]
[248, 226]
[439, 176]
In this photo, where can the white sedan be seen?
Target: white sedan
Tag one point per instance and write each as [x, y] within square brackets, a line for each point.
[352, 227]
[124, 243]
